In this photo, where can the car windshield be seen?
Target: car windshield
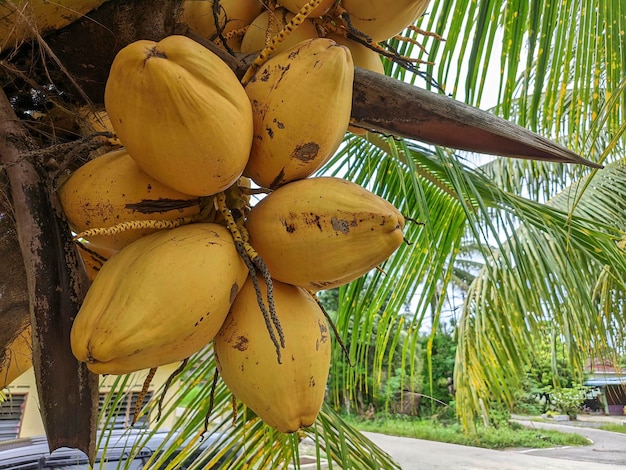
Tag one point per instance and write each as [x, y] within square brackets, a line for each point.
[114, 451]
[23, 454]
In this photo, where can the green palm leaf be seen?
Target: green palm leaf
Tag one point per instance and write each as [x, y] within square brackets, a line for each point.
[558, 68]
[243, 440]
[541, 275]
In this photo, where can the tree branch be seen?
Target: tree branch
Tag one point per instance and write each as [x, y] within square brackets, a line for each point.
[389, 106]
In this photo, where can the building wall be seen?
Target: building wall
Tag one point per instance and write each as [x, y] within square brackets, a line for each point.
[616, 399]
[32, 425]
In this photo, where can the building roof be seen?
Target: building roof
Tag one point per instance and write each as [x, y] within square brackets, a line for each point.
[604, 381]
[599, 365]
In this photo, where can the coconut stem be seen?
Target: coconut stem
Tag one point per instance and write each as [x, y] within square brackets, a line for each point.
[254, 263]
[142, 395]
[296, 21]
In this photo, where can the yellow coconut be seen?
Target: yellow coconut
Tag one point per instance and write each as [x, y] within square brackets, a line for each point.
[382, 19]
[98, 121]
[17, 358]
[159, 300]
[112, 189]
[286, 395]
[301, 100]
[320, 233]
[181, 113]
[94, 257]
[232, 15]
[257, 35]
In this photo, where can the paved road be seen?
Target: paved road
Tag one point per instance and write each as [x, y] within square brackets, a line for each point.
[416, 454]
[607, 447]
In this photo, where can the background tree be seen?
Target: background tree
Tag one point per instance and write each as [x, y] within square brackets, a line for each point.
[438, 373]
[354, 389]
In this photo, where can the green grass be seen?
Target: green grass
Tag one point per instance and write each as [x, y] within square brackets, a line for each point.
[504, 437]
[614, 428]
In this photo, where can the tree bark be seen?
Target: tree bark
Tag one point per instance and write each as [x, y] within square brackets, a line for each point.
[68, 392]
[87, 47]
[14, 311]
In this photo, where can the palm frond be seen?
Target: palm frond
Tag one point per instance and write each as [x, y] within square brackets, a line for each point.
[546, 273]
[239, 439]
[556, 69]
[573, 47]
[369, 307]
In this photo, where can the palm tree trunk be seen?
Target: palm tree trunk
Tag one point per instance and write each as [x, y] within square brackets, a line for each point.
[68, 392]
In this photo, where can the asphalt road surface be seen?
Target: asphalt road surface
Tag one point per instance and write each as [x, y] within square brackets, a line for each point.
[608, 447]
[608, 452]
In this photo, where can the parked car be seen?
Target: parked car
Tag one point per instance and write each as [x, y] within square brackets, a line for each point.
[32, 453]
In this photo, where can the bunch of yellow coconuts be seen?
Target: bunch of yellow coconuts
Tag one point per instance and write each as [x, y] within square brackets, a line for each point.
[178, 258]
